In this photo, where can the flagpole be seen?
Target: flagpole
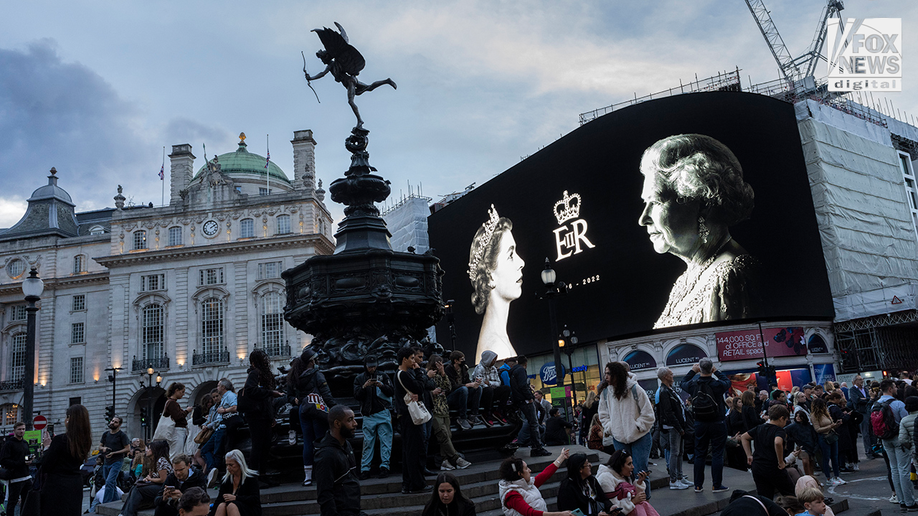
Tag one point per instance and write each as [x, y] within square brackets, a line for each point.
[267, 162]
[162, 178]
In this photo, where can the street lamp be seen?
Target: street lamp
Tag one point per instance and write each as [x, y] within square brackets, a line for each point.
[32, 287]
[451, 319]
[114, 379]
[554, 288]
[569, 337]
[149, 387]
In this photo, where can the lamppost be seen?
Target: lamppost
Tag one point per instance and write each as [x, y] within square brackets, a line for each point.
[554, 288]
[149, 387]
[114, 379]
[451, 319]
[32, 287]
[569, 337]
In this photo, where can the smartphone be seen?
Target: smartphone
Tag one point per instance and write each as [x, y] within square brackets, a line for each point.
[576, 512]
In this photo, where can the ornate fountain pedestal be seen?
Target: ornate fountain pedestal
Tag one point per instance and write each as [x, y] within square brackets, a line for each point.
[365, 299]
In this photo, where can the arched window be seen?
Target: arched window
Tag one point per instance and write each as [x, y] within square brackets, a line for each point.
[140, 240]
[17, 357]
[272, 323]
[246, 228]
[152, 332]
[97, 230]
[79, 263]
[211, 326]
[175, 235]
[283, 224]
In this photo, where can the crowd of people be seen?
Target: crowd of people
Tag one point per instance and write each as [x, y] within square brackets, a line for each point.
[781, 437]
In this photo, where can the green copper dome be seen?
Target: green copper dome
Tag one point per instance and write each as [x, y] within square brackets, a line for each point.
[244, 162]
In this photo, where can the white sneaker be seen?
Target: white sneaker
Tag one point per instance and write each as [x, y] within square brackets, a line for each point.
[686, 482]
[462, 463]
[893, 498]
[855, 467]
[291, 436]
[677, 485]
[446, 466]
[839, 481]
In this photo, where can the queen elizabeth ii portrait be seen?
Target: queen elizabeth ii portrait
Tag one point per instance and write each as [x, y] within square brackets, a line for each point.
[693, 193]
[496, 273]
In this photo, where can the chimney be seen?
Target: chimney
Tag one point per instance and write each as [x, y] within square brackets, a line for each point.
[180, 172]
[304, 161]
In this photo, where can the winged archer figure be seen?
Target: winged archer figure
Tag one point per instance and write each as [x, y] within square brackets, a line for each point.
[344, 62]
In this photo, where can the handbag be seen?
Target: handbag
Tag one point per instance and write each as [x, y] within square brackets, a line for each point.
[204, 435]
[831, 437]
[417, 411]
[165, 429]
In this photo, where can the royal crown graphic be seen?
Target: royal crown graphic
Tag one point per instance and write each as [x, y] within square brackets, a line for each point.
[567, 208]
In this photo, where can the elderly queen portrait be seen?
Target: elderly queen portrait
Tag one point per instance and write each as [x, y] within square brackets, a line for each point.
[693, 193]
[496, 273]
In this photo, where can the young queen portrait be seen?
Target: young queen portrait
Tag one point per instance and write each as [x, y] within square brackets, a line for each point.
[496, 273]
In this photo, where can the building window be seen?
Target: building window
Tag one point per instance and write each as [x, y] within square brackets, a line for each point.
[10, 414]
[247, 228]
[17, 357]
[79, 302]
[152, 282]
[264, 191]
[76, 369]
[16, 268]
[79, 264]
[140, 240]
[283, 224]
[97, 230]
[211, 277]
[77, 333]
[272, 323]
[911, 188]
[18, 313]
[175, 235]
[152, 332]
[269, 270]
[211, 326]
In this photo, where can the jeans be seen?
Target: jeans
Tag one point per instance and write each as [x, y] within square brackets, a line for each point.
[18, 492]
[313, 430]
[714, 434]
[441, 431]
[377, 426]
[464, 399]
[640, 454]
[866, 438]
[141, 496]
[830, 451]
[110, 472]
[260, 431]
[529, 414]
[674, 451]
[899, 462]
[209, 450]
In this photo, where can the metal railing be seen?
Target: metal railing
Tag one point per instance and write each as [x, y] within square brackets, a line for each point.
[142, 364]
[11, 385]
[212, 358]
[278, 351]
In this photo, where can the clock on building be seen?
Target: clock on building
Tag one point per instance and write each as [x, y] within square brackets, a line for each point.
[210, 228]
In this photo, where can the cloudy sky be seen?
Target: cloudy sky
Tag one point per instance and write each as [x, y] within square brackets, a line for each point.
[98, 88]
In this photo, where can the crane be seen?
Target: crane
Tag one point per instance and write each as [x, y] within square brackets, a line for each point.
[793, 69]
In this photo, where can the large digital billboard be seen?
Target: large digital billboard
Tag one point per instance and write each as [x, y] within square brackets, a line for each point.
[693, 209]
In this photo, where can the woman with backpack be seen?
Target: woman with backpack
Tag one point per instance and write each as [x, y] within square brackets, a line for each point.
[314, 398]
[627, 415]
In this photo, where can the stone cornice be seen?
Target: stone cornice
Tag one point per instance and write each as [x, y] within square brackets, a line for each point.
[320, 242]
[77, 280]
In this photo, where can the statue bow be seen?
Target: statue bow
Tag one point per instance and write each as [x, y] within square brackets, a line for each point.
[308, 82]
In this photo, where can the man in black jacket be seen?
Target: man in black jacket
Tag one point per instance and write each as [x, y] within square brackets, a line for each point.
[521, 394]
[671, 417]
[337, 485]
[14, 458]
[374, 392]
[707, 391]
[177, 483]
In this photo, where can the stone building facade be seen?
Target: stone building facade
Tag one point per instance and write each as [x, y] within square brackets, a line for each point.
[188, 289]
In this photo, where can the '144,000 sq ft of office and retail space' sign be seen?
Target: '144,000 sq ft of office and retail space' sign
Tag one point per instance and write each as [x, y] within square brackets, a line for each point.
[747, 344]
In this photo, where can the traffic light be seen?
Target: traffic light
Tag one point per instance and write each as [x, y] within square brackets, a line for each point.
[763, 371]
[109, 412]
[143, 416]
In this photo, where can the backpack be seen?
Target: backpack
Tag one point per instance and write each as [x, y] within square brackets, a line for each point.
[882, 421]
[704, 406]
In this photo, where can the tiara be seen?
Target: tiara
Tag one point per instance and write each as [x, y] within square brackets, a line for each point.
[482, 242]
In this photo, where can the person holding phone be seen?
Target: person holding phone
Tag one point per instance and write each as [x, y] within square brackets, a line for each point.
[580, 491]
[614, 478]
[519, 490]
[182, 478]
